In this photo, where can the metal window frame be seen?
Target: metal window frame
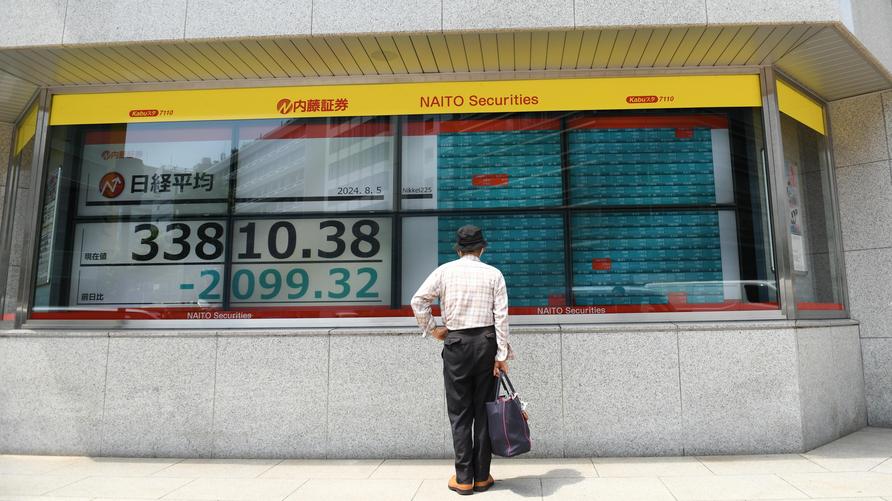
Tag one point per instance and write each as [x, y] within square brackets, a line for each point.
[10, 201]
[770, 77]
[38, 179]
[39, 172]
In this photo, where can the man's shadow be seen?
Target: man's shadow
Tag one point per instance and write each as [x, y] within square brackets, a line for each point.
[528, 486]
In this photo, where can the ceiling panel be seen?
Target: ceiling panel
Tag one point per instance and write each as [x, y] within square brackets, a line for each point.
[704, 44]
[440, 50]
[636, 48]
[654, 46]
[489, 47]
[819, 57]
[572, 46]
[522, 48]
[473, 51]
[831, 68]
[719, 46]
[454, 54]
[620, 48]
[686, 46]
[407, 53]
[587, 47]
[670, 47]
[732, 48]
[603, 49]
[538, 50]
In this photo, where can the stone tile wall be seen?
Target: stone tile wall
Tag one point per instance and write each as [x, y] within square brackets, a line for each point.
[862, 146]
[605, 390]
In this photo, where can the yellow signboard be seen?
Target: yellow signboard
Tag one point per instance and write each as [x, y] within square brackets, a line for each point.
[26, 129]
[619, 93]
[800, 107]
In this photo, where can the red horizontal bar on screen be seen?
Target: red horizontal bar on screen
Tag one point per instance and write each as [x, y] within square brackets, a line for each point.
[315, 130]
[165, 135]
[373, 311]
[9, 316]
[220, 314]
[819, 306]
[432, 127]
[649, 122]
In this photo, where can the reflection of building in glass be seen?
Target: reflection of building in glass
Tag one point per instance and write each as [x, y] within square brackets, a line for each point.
[296, 161]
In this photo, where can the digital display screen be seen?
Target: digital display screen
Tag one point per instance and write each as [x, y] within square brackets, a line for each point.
[584, 212]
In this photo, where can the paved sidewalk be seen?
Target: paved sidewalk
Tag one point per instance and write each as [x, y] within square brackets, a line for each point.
[855, 467]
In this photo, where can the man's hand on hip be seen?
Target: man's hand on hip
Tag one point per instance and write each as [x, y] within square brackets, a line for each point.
[439, 333]
[499, 367]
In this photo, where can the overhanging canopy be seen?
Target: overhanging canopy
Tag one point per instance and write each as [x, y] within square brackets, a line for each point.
[824, 58]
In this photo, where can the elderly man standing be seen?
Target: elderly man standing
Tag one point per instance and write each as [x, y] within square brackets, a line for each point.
[474, 307]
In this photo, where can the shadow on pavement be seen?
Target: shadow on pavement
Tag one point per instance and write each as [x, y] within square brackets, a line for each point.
[521, 486]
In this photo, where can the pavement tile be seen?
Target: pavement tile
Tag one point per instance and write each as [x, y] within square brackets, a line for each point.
[356, 490]
[420, 469]
[542, 468]
[884, 467]
[841, 499]
[436, 490]
[237, 489]
[218, 468]
[117, 487]
[608, 489]
[649, 467]
[842, 484]
[41, 498]
[728, 487]
[32, 465]
[114, 467]
[859, 451]
[759, 464]
[323, 468]
[33, 485]
[853, 464]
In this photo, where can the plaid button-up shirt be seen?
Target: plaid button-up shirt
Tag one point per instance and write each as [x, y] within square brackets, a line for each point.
[472, 294]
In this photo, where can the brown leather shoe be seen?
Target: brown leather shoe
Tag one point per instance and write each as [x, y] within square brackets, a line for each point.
[484, 485]
[463, 489]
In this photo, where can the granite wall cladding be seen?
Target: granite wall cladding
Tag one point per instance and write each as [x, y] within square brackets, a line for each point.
[862, 148]
[606, 390]
[50, 22]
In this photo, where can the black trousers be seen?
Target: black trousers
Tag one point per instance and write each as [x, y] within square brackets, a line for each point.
[468, 358]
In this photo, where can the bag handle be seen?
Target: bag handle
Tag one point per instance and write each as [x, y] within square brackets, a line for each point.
[504, 382]
[507, 380]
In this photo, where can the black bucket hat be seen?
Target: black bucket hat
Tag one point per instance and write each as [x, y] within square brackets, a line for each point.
[469, 238]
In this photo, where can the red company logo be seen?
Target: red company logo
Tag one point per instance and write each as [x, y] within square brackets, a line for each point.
[144, 113]
[285, 106]
[641, 99]
[111, 185]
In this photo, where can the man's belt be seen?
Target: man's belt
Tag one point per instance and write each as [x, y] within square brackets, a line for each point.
[474, 331]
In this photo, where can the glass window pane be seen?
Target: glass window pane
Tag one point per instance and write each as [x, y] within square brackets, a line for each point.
[157, 263]
[330, 165]
[528, 249]
[143, 169]
[473, 163]
[667, 212]
[649, 160]
[811, 223]
[662, 261]
[313, 262]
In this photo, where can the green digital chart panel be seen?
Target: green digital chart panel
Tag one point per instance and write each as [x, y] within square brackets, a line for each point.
[641, 166]
[528, 249]
[644, 258]
[498, 169]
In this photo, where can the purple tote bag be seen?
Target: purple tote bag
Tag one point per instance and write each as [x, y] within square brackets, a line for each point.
[509, 432]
